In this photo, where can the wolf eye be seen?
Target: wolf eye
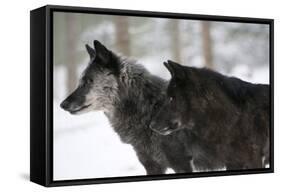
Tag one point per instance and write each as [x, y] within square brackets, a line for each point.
[157, 105]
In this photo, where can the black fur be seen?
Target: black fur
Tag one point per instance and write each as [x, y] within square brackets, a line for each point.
[225, 119]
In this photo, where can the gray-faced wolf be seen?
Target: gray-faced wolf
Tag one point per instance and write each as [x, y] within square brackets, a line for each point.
[227, 118]
[129, 95]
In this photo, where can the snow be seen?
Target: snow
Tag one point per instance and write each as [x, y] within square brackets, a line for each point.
[85, 146]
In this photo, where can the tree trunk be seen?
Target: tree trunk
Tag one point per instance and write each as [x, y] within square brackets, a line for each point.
[174, 26]
[122, 35]
[71, 54]
[207, 44]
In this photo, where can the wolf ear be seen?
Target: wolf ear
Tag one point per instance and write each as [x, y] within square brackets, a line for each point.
[174, 68]
[101, 51]
[91, 51]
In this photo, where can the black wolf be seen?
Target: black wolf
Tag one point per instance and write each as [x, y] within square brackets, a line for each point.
[227, 118]
[129, 95]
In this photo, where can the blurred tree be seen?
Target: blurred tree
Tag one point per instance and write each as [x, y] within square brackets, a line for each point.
[207, 44]
[71, 45]
[142, 33]
[69, 48]
[59, 38]
[240, 46]
[174, 29]
[122, 34]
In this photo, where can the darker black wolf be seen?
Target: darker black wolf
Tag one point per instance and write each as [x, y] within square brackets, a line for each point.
[129, 95]
[225, 118]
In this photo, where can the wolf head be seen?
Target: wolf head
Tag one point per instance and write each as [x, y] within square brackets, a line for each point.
[175, 113]
[98, 85]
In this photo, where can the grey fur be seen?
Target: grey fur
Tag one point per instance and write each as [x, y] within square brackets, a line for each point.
[129, 96]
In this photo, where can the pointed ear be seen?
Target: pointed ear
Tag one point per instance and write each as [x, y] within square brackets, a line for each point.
[101, 51]
[91, 51]
[170, 68]
[174, 68]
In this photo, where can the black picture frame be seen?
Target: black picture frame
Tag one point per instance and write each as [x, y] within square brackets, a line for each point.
[41, 94]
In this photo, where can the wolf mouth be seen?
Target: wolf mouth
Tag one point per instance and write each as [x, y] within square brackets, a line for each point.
[165, 131]
[80, 109]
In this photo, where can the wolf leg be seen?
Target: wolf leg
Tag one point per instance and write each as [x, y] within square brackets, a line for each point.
[182, 167]
[180, 164]
[151, 166]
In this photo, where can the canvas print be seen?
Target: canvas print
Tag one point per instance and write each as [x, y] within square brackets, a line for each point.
[136, 96]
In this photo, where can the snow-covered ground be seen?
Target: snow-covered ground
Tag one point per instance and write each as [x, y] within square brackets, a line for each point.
[85, 146]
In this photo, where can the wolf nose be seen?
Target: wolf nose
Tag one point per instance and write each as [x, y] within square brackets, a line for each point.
[65, 104]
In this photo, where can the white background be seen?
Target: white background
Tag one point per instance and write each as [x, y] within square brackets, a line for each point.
[14, 95]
